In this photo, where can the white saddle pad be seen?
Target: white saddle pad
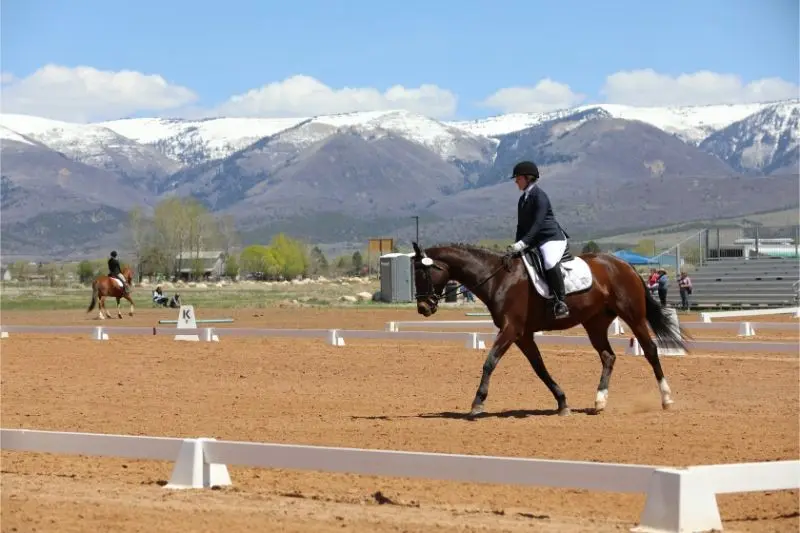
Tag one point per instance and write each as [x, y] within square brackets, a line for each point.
[117, 281]
[577, 276]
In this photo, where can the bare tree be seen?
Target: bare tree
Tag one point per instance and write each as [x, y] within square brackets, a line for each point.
[228, 236]
[138, 227]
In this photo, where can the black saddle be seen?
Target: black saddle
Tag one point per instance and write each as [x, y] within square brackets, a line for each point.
[535, 258]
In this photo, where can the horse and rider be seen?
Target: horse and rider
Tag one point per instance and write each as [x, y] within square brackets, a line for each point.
[115, 271]
[105, 286]
[602, 288]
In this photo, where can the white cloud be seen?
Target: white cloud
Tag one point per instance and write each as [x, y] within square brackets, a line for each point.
[649, 88]
[301, 96]
[83, 94]
[547, 95]
[6, 77]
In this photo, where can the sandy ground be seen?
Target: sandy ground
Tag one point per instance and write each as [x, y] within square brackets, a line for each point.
[374, 394]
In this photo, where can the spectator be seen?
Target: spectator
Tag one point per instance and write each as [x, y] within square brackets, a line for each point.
[652, 281]
[685, 286]
[468, 296]
[662, 286]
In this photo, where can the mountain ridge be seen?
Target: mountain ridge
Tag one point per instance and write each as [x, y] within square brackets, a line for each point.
[614, 164]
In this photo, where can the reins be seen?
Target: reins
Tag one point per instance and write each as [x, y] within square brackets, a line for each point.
[503, 265]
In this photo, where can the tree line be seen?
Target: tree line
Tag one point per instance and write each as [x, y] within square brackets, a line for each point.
[181, 228]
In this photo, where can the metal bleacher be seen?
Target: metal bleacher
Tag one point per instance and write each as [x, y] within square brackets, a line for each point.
[739, 282]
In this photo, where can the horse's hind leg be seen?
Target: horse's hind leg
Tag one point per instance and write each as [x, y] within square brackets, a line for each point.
[101, 306]
[597, 328]
[534, 356]
[650, 350]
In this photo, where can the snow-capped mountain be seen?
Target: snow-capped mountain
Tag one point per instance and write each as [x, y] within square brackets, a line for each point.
[764, 142]
[90, 144]
[449, 142]
[11, 135]
[194, 142]
[690, 123]
[191, 142]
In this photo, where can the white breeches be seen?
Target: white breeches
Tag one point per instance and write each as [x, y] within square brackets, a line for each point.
[121, 277]
[552, 252]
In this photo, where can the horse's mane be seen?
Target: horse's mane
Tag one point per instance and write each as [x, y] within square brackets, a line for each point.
[479, 250]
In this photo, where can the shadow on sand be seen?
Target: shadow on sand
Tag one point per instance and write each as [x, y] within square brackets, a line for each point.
[452, 415]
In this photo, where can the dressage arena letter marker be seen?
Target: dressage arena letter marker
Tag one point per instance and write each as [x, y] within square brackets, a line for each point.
[186, 320]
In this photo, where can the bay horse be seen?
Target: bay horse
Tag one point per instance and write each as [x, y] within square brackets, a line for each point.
[518, 310]
[105, 286]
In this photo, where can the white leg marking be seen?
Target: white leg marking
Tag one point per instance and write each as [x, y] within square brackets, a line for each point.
[666, 393]
[601, 399]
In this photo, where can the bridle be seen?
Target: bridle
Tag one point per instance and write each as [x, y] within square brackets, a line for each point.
[431, 297]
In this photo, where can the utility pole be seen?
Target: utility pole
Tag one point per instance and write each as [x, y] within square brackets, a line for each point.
[416, 218]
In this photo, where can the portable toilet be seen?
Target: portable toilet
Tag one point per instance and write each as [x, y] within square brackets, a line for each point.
[397, 277]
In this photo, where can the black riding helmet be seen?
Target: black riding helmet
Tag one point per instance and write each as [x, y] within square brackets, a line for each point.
[113, 253]
[526, 168]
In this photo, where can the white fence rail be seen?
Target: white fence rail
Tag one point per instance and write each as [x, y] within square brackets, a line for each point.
[709, 316]
[617, 327]
[336, 337]
[677, 499]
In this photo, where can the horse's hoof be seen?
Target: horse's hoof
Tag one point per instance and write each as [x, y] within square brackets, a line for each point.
[599, 408]
[564, 411]
[667, 405]
[476, 410]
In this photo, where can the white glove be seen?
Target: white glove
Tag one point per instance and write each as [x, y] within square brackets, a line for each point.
[517, 246]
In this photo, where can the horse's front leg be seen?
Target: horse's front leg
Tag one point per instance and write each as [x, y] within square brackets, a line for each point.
[103, 300]
[131, 301]
[501, 343]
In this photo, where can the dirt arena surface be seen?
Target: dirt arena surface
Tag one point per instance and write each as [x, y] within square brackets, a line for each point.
[730, 407]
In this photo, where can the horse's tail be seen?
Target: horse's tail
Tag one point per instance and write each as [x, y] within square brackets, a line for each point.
[94, 297]
[668, 334]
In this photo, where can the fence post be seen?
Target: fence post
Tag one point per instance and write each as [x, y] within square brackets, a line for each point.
[757, 242]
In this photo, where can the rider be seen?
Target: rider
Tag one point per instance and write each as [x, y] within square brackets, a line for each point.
[115, 271]
[537, 226]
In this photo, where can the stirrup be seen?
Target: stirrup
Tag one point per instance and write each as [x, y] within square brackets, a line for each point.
[564, 313]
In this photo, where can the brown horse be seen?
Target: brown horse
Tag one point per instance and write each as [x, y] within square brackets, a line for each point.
[105, 286]
[518, 309]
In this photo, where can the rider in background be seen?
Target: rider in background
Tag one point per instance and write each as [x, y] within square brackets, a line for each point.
[115, 271]
[537, 227]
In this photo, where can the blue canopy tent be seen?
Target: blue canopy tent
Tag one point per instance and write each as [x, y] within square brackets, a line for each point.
[634, 259]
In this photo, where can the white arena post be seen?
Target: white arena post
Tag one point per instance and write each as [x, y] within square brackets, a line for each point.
[99, 335]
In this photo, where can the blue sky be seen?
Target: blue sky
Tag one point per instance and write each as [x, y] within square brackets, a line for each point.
[470, 48]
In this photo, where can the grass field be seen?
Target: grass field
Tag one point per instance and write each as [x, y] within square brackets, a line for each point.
[234, 295]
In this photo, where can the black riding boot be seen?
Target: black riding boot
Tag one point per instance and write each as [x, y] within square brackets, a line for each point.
[555, 280]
